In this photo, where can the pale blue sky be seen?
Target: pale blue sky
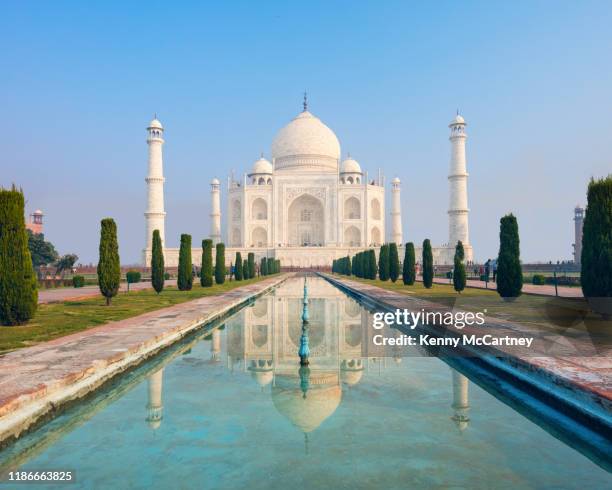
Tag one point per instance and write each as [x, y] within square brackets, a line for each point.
[80, 83]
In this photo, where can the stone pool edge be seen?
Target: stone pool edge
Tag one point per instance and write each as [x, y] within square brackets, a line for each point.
[32, 406]
[577, 396]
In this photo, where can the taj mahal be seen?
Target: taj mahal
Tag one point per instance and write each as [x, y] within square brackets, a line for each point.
[306, 205]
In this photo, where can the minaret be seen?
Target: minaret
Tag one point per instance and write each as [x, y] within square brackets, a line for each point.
[155, 406]
[457, 179]
[578, 222]
[396, 212]
[215, 211]
[155, 215]
[461, 404]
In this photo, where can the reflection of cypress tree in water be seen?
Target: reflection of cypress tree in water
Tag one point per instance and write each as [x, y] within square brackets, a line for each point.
[155, 406]
[461, 403]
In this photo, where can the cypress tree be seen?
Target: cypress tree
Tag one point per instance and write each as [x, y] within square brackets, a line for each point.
[109, 268]
[206, 274]
[459, 275]
[393, 262]
[408, 272]
[264, 266]
[238, 267]
[220, 264]
[251, 260]
[185, 275]
[383, 263]
[245, 269]
[157, 263]
[596, 258]
[245, 272]
[18, 285]
[372, 264]
[509, 273]
[427, 264]
[347, 265]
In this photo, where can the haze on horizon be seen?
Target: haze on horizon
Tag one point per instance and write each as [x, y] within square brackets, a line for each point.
[80, 84]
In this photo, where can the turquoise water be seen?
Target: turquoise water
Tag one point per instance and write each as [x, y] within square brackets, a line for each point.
[228, 409]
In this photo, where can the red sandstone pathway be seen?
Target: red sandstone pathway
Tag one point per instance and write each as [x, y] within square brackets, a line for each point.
[545, 290]
[65, 294]
[576, 360]
[34, 380]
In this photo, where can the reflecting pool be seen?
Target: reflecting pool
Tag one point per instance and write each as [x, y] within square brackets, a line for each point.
[231, 408]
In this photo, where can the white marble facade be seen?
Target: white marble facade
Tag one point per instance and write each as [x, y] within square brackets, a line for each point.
[306, 206]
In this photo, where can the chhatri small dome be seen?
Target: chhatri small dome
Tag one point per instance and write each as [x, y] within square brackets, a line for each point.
[155, 124]
[215, 181]
[396, 180]
[262, 377]
[262, 166]
[457, 120]
[38, 211]
[350, 165]
[306, 142]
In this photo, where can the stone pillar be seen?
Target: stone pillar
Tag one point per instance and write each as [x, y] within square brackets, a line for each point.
[578, 222]
[461, 404]
[396, 213]
[155, 215]
[215, 211]
[155, 406]
[457, 178]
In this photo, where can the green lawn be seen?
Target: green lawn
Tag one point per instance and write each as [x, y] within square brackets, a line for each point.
[570, 316]
[58, 319]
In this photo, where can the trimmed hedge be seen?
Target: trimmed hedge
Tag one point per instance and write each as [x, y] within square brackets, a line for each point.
[185, 266]
[428, 272]
[109, 268]
[509, 273]
[157, 263]
[220, 263]
[459, 274]
[596, 258]
[18, 284]
[78, 281]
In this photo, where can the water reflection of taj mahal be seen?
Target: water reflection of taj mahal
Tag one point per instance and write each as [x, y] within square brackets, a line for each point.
[264, 338]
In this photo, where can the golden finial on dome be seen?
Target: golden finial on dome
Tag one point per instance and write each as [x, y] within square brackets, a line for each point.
[305, 101]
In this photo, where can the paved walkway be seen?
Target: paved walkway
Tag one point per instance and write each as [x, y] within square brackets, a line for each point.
[577, 361]
[35, 380]
[545, 290]
[57, 295]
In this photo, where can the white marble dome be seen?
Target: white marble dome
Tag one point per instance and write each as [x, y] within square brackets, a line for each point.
[306, 143]
[457, 120]
[155, 124]
[262, 166]
[350, 166]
